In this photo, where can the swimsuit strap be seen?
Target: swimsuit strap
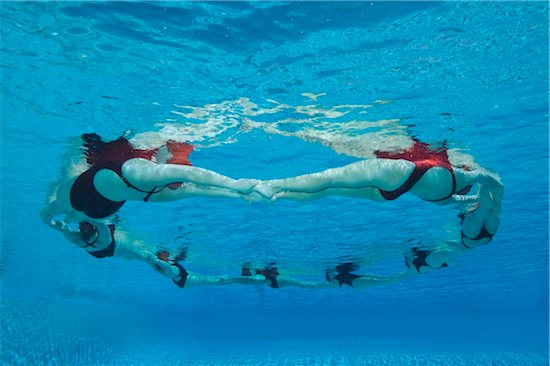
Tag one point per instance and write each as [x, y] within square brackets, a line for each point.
[88, 244]
[149, 193]
[417, 173]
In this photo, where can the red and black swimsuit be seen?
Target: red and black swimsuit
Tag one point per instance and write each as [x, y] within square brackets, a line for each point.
[100, 155]
[424, 158]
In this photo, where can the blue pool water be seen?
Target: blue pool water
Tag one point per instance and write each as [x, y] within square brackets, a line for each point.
[270, 90]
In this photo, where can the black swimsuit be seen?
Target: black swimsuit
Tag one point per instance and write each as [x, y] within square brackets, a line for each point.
[86, 198]
[424, 158]
[100, 155]
[270, 274]
[420, 256]
[107, 252]
[344, 275]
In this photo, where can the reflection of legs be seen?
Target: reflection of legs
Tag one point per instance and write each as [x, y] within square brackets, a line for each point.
[270, 276]
[197, 280]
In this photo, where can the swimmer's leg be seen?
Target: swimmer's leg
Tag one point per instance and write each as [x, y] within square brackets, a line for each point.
[377, 173]
[191, 190]
[369, 193]
[147, 175]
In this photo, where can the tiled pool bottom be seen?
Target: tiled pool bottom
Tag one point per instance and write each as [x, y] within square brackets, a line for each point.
[86, 333]
[302, 354]
[151, 356]
[295, 352]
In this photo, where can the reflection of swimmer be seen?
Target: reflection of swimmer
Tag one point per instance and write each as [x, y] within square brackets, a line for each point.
[417, 260]
[333, 278]
[270, 275]
[342, 275]
[104, 240]
[116, 171]
[420, 260]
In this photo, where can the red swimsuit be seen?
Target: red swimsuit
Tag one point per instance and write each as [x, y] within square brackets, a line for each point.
[424, 158]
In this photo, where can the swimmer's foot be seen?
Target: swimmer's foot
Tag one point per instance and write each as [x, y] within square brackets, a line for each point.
[245, 185]
[253, 197]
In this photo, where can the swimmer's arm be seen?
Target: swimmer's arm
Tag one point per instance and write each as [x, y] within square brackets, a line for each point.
[129, 248]
[133, 249]
[59, 202]
[72, 235]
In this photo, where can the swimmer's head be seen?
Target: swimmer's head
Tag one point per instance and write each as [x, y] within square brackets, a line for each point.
[88, 232]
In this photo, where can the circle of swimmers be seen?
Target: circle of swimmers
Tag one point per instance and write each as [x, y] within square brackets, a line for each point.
[109, 173]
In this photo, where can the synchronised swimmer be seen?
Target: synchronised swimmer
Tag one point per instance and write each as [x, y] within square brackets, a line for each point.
[108, 174]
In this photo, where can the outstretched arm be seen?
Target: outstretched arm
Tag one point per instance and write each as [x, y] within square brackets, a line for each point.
[72, 235]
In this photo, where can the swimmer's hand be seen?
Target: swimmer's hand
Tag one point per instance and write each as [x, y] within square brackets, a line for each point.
[50, 221]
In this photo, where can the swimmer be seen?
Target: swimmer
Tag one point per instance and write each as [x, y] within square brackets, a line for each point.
[105, 240]
[421, 170]
[111, 173]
